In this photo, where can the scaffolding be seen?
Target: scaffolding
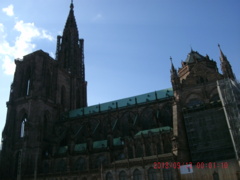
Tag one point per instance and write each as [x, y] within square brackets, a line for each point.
[207, 132]
[229, 92]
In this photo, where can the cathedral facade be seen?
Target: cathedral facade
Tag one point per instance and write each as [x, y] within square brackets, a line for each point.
[51, 133]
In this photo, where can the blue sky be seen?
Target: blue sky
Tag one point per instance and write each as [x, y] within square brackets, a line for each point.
[127, 42]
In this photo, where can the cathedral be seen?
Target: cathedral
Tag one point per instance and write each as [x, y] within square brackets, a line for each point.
[182, 132]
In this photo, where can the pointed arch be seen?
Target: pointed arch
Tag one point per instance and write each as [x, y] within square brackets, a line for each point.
[152, 174]
[126, 123]
[130, 152]
[95, 128]
[80, 164]
[167, 174]
[45, 167]
[166, 118]
[147, 119]
[101, 160]
[60, 165]
[122, 175]
[137, 175]
[109, 176]
[148, 148]
[23, 126]
[27, 83]
[138, 149]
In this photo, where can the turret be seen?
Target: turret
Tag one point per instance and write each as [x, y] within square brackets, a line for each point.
[225, 66]
[174, 77]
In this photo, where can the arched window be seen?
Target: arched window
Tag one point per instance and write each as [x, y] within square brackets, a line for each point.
[28, 87]
[109, 176]
[166, 116]
[147, 120]
[137, 175]
[152, 174]
[23, 126]
[122, 175]
[167, 174]
[167, 144]
[138, 150]
[148, 148]
[100, 161]
[60, 166]
[80, 164]
[45, 167]
[130, 152]
[63, 98]
[27, 83]
[215, 176]
[126, 124]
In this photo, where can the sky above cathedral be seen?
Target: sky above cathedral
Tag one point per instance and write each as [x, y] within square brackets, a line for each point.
[127, 42]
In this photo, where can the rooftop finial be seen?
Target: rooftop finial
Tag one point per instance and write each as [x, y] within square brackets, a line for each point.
[219, 47]
[71, 6]
[171, 59]
[191, 48]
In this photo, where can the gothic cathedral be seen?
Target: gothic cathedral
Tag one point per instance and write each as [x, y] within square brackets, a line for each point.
[51, 133]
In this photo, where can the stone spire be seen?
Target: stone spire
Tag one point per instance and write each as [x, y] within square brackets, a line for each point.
[225, 65]
[70, 57]
[69, 51]
[174, 76]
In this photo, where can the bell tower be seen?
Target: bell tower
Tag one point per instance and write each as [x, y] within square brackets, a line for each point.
[70, 57]
[31, 113]
[42, 89]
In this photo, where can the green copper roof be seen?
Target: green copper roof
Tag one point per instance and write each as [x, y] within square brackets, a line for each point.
[117, 142]
[156, 130]
[62, 150]
[99, 144]
[131, 101]
[80, 147]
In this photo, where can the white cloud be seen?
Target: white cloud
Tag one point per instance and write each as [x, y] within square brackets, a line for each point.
[97, 17]
[23, 44]
[6, 52]
[8, 65]
[45, 35]
[9, 10]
